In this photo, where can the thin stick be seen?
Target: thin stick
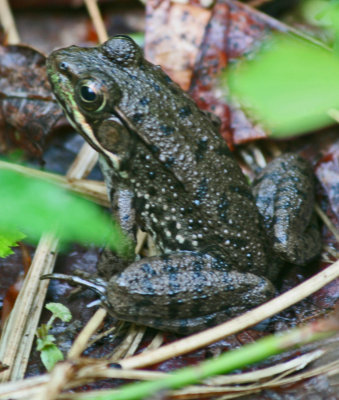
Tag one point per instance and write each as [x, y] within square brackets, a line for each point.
[94, 12]
[82, 339]
[136, 341]
[7, 21]
[327, 222]
[123, 347]
[83, 163]
[18, 335]
[244, 321]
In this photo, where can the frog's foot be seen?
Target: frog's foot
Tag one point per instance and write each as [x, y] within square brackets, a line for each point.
[96, 284]
[284, 193]
[184, 292]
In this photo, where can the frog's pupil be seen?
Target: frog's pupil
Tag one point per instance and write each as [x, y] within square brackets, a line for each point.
[87, 93]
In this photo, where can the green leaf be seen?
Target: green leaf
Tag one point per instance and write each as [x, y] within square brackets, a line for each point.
[35, 206]
[50, 355]
[8, 239]
[59, 311]
[44, 341]
[290, 86]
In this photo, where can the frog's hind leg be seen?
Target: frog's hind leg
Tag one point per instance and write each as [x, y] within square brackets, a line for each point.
[192, 289]
[284, 193]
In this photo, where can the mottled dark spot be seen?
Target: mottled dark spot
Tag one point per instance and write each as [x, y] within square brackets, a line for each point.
[223, 207]
[185, 111]
[174, 89]
[144, 101]
[220, 265]
[172, 227]
[198, 265]
[137, 117]
[145, 303]
[156, 87]
[172, 310]
[210, 320]
[147, 268]
[198, 268]
[167, 130]
[202, 189]
[152, 190]
[202, 147]
[167, 79]
[169, 162]
[174, 284]
[148, 286]
[238, 242]
[139, 203]
[154, 149]
[152, 175]
[195, 309]
[170, 268]
[244, 191]
[186, 245]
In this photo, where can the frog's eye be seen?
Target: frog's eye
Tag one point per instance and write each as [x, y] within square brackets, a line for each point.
[90, 95]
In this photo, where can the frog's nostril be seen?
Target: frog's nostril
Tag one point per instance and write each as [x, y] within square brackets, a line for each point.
[63, 66]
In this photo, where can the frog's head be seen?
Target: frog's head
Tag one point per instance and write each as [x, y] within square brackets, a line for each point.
[87, 83]
[113, 85]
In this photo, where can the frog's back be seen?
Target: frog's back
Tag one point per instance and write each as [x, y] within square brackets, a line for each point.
[191, 193]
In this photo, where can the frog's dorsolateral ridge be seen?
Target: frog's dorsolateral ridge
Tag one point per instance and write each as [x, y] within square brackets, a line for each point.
[170, 173]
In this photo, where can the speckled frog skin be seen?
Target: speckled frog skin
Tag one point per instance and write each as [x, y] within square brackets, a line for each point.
[169, 172]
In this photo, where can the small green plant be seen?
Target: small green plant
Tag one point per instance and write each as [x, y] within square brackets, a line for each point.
[8, 239]
[50, 353]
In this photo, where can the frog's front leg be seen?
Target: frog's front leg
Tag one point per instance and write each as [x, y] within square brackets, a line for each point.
[184, 292]
[284, 193]
[121, 199]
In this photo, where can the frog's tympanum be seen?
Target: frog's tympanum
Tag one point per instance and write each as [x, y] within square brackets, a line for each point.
[169, 172]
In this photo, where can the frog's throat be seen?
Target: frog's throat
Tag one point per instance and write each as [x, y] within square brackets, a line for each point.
[79, 123]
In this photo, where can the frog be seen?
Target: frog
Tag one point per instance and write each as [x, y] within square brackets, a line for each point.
[169, 172]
